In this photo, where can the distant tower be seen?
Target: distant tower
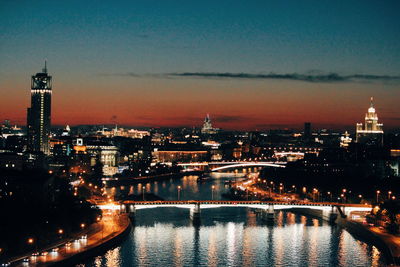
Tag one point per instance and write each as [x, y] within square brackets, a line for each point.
[207, 126]
[372, 133]
[39, 114]
[307, 131]
[345, 140]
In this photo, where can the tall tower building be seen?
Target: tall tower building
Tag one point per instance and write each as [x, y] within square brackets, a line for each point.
[39, 114]
[207, 126]
[372, 132]
[307, 132]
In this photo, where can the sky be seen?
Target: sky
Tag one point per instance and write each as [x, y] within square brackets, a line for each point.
[252, 65]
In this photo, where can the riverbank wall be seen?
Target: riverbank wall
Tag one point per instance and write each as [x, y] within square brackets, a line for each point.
[97, 249]
[148, 179]
[390, 250]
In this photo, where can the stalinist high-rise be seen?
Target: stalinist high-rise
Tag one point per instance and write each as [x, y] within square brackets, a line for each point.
[372, 132]
[39, 114]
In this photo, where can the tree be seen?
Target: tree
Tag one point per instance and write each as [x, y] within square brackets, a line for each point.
[391, 209]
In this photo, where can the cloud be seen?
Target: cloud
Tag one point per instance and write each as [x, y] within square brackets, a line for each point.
[130, 74]
[393, 118]
[330, 77]
[271, 125]
[314, 76]
[227, 118]
[143, 36]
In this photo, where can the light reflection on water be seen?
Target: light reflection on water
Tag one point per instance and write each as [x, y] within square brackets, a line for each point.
[232, 242]
[231, 236]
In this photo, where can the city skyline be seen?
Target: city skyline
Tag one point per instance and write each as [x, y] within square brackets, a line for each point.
[249, 68]
[220, 119]
[200, 133]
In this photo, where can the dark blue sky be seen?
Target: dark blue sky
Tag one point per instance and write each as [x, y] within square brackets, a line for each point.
[93, 43]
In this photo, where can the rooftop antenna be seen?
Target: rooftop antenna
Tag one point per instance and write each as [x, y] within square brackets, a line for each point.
[45, 66]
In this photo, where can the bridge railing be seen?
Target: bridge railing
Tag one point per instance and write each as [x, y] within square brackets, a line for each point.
[240, 202]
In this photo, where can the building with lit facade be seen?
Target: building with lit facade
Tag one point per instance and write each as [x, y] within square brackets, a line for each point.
[372, 131]
[207, 126]
[131, 133]
[345, 140]
[39, 114]
[166, 156]
[107, 153]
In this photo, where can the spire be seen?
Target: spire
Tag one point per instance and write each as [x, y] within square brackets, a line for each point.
[372, 102]
[45, 66]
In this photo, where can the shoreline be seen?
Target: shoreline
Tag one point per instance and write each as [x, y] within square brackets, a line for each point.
[389, 249]
[361, 232]
[152, 178]
[97, 249]
[94, 247]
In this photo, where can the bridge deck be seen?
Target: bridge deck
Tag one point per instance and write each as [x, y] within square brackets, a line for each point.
[242, 202]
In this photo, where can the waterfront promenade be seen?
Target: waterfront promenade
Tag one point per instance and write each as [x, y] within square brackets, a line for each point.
[70, 251]
[391, 241]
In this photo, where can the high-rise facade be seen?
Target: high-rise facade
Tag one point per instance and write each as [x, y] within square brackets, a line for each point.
[372, 132]
[307, 132]
[39, 114]
[207, 126]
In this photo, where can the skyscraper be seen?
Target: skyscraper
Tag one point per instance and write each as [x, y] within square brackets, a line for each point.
[307, 132]
[372, 133]
[207, 126]
[39, 114]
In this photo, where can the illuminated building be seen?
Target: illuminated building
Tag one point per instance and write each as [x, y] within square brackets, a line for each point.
[179, 156]
[345, 140]
[372, 133]
[207, 126]
[66, 131]
[131, 133]
[39, 114]
[13, 161]
[108, 155]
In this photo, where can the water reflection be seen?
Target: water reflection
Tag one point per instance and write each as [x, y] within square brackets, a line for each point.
[230, 236]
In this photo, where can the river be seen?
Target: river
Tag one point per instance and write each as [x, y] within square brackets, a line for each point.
[229, 236]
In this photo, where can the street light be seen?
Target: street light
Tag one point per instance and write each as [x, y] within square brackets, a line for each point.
[330, 195]
[31, 241]
[212, 192]
[389, 193]
[377, 196]
[344, 195]
[82, 225]
[315, 191]
[143, 188]
[179, 192]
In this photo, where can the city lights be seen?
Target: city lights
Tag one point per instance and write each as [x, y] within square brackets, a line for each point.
[213, 134]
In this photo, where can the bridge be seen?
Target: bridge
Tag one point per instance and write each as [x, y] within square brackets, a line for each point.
[215, 166]
[325, 210]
